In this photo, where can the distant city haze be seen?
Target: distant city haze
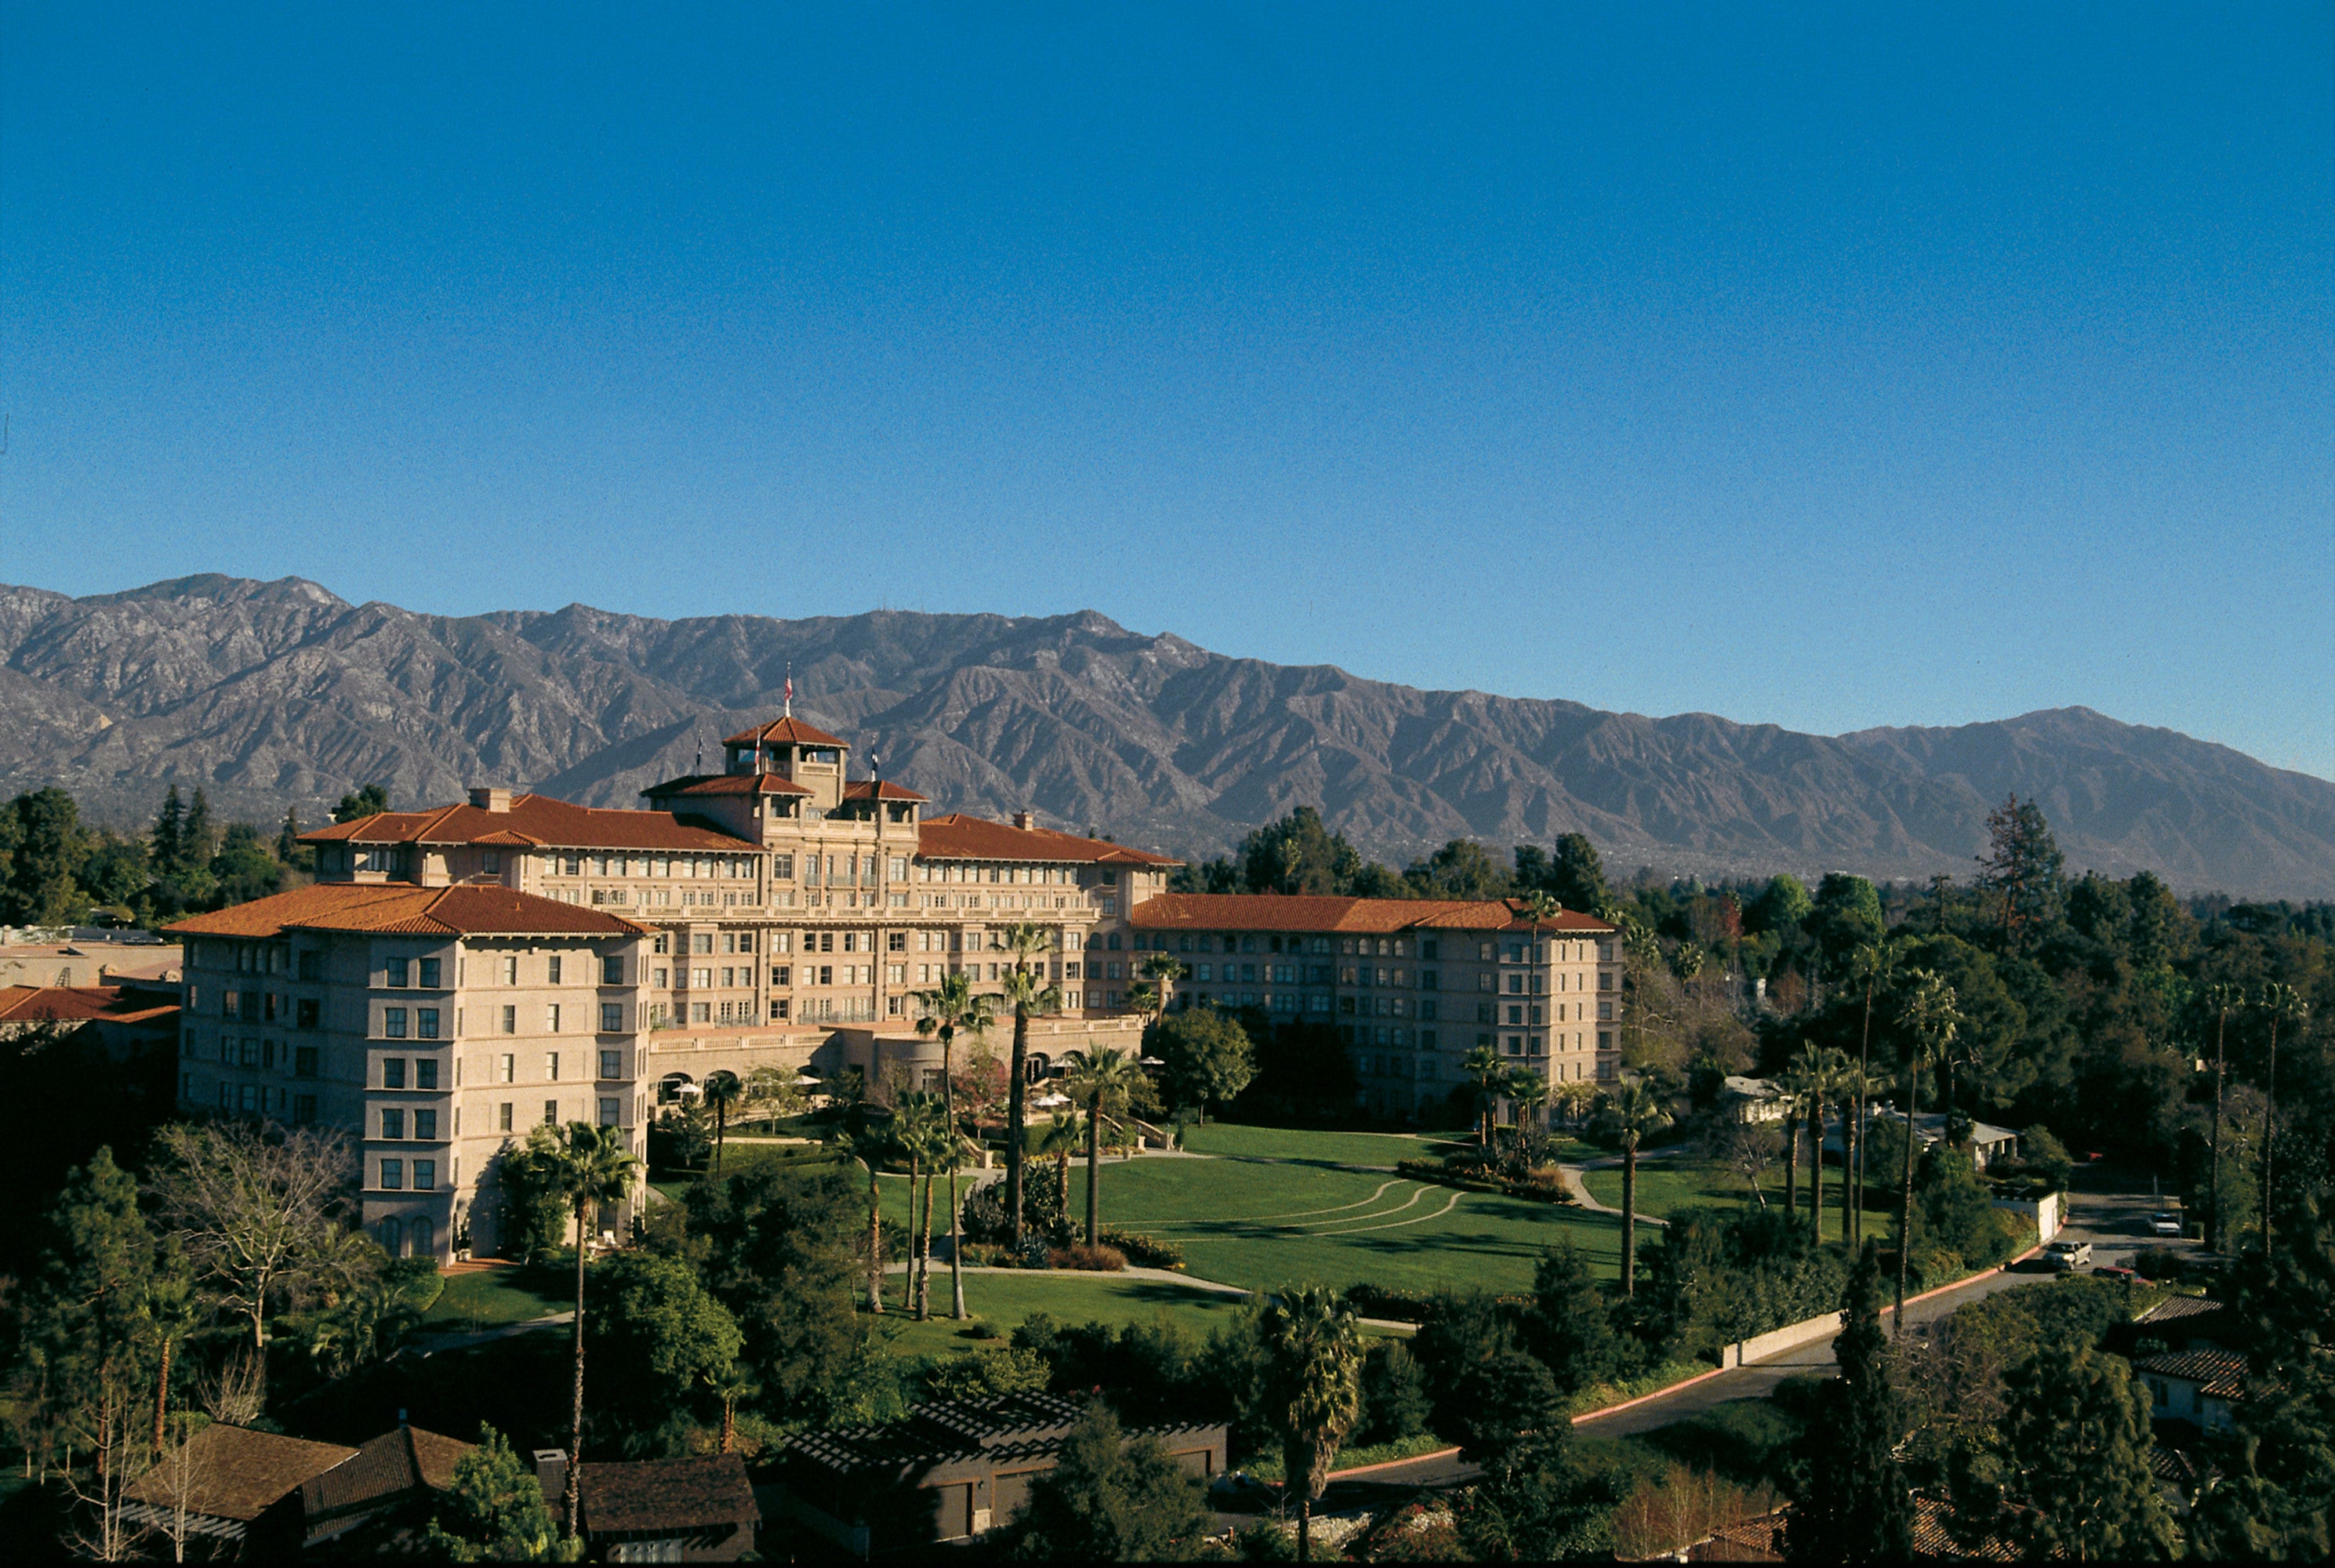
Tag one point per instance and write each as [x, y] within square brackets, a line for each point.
[271, 695]
[1823, 366]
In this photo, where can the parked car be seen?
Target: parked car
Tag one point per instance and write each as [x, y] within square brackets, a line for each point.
[2164, 1224]
[2116, 1271]
[2068, 1256]
[1238, 1492]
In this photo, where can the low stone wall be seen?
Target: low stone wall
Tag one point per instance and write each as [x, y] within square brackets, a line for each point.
[2049, 1213]
[1776, 1341]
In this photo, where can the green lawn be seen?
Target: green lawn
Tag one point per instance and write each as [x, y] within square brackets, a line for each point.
[1365, 1148]
[1001, 1301]
[743, 1156]
[1684, 1182]
[1259, 1224]
[494, 1296]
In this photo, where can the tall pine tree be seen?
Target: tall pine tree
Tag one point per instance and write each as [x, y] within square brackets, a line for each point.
[1855, 1507]
[2078, 1441]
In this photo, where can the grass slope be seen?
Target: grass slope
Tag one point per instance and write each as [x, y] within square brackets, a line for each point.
[1001, 1301]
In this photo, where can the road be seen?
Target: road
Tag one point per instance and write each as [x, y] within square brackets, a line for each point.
[2112, 1215]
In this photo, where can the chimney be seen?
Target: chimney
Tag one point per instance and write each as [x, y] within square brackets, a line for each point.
[487, 798]
[1025, 820]
[551, 1473]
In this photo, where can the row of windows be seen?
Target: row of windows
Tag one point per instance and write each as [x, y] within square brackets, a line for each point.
[258, 1099]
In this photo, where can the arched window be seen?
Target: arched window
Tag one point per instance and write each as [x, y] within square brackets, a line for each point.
[424, 1236]
[670, 1087]
[1035, 1067]
[393, 1237]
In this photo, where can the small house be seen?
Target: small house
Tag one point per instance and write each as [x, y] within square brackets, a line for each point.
[2199, 1387]
[951, 1470]
[208, 1493]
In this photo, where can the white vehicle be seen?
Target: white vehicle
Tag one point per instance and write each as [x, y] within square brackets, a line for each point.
[2164, 1224]
[2068, 1257]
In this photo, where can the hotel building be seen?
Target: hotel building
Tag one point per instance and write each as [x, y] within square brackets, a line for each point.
[459, 974]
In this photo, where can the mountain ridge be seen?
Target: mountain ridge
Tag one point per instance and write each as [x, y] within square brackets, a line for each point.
[282, 694]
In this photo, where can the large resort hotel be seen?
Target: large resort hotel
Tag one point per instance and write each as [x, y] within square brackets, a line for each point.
[457, 975]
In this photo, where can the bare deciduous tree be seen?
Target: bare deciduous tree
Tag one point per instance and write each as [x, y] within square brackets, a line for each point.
[258, 1210]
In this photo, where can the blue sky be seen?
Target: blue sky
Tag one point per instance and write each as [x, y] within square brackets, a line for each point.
[1827, 367]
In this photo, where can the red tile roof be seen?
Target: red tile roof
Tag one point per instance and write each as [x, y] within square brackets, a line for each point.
[665, 1496]
[784, 730]
[725, 784]
[532, 820]
[866, 787]
[2221, 1373]
[1377, 916]
[234, 1472]
[401, 907]
[956, 836]
[405, 1460]
[75, 1004]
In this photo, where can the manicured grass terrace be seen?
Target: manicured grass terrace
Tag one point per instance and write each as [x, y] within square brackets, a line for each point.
[489, 1297]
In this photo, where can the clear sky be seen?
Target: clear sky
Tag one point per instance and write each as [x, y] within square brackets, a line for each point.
[1829, 367]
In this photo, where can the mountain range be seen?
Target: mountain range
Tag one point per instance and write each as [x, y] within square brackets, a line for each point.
[281, 694]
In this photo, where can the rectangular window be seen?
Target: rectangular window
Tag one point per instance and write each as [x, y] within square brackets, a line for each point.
[551, 1019]
[510, 1021]
[551, 1113]
[701, 1013]
[392, 1124]
[608, 1110]
[303, 1109]
[612, 972]
[392, 1022]
[510, 1066]
[303, 1061]
[393, 1072]
[612, 1018]
[426, 1022]
[425, 1175]
[551, 1065]
[503, 1117]
[428, 967]
[425, 1072]
[395, 972]
[612, 1064]
[392, 1175]
[309, 1013]
[425, 1126]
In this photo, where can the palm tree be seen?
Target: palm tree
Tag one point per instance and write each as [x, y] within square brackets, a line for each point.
[1060, 1139]
[1857, 1089]
[1574, 1097]
[1688, 966]
[861, 1132]
[2220, 998]
[1144, 997]
[920, 1125]
[168, 1308]
[723, 1093]
[1483, 1065]
[1527, 1093]
[1930, 1020]
[2280, 1004]
[1796, 1091]
[1028, 993]
[1830, 1072]
[949, 1007]
[590, 1168]
[1103, 1081]
[1632, 1113]
[1314, 1358]
[1162, 972]
[1539, 906]
[1868, 966]
[731, 1384]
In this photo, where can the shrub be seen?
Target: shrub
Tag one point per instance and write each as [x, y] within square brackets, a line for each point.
[1099, 1259]
[1394, 1395]
[1368, 1301]
[1144, 1252]
[985, 1220]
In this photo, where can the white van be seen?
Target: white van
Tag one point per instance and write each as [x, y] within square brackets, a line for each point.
[2068, 1257]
